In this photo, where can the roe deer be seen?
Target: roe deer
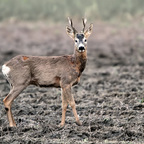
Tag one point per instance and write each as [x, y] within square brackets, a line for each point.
[45, 71]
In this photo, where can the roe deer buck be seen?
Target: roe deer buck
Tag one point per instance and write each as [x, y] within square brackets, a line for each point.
[53, 71]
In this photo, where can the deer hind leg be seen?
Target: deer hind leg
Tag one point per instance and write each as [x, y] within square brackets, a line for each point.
[70, 100]
[15, 91]
[19, 79]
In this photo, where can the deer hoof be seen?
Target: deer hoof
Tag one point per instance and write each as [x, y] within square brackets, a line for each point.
[78, 123]
[12, 125]
[60, 126]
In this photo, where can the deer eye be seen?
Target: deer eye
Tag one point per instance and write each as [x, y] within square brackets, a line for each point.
[76, 41]
[85, 40]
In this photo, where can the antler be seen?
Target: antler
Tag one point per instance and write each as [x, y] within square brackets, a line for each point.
[84, 23]
[71, 24]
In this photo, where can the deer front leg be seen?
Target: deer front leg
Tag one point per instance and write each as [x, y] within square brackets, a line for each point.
[67, 96]
[64, 108]
[73, 106]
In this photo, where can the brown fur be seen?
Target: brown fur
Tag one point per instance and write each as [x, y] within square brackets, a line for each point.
[25, 57]
[43, 71]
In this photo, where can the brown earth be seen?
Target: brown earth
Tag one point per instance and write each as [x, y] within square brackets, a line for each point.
[109, 98]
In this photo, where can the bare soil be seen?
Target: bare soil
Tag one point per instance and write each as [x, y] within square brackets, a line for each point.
[109, 98]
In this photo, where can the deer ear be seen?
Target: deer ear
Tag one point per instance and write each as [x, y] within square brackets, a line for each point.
[88, 32]
[70, 32]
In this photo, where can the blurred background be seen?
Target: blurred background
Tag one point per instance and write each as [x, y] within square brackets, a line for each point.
[38, 27]
[57, 11]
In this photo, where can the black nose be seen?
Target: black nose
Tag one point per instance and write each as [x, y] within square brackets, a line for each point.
[81, 48]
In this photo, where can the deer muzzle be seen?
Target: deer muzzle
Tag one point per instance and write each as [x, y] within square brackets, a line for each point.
[81, 48]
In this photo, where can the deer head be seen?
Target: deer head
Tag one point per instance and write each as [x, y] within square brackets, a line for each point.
[80, 38]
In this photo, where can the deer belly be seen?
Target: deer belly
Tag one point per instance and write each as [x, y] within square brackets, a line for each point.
[48, 82]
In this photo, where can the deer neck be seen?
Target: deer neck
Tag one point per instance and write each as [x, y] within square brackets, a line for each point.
[80, 60]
